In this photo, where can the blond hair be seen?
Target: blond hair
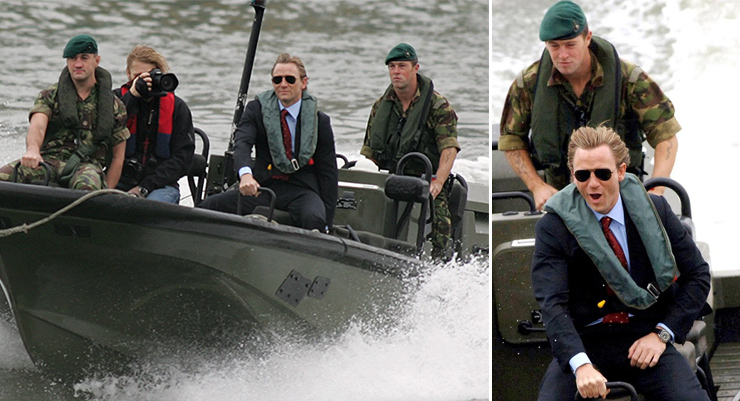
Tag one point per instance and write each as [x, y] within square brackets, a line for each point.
[590, 138]
[146, 54]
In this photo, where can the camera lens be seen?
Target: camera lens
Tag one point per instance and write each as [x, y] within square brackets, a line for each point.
[168, 82]
[162, 83]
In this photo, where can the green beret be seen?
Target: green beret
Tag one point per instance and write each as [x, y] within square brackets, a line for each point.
[564, 20]
[402, 52]
[80, 44]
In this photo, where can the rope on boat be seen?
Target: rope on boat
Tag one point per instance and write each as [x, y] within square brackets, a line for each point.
[25, 227]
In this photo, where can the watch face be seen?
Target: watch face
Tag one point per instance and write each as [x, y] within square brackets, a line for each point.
[664, 336]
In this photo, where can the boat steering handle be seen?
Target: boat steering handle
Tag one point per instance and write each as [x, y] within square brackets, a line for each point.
[623, 389]
[515, 194]
[47, 169]
[683, 195]
[347, 163]
[261, 189]
[416, 155]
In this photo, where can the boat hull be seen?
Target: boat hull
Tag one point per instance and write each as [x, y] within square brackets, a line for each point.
[119, 279]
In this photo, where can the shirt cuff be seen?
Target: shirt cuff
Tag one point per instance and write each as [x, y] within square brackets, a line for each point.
[673, 337]
[579, 360]
[245, 170]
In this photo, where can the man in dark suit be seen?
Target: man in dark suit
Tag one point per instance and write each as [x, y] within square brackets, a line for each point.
[615, 296]
[295, 154]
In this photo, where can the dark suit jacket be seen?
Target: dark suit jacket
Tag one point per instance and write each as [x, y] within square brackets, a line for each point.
[321, 177]
[569, 287]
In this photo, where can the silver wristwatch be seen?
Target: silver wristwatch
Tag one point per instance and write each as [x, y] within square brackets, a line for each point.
[663, 335]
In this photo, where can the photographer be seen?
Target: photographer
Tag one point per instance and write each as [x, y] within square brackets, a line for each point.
[161, 145]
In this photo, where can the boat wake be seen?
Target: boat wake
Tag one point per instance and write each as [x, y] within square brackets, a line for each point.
[12, 353]
[438, 350]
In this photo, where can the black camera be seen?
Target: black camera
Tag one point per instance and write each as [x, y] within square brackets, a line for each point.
[162, 83]
[132, 170]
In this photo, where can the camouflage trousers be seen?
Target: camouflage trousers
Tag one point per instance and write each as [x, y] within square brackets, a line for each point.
[441, 227]
[88, 176]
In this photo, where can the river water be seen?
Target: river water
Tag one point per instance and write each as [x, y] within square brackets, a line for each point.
[443, 352]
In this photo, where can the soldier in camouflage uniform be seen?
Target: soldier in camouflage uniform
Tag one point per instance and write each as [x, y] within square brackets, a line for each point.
[580, 80]
[412, 117]
[76, 126]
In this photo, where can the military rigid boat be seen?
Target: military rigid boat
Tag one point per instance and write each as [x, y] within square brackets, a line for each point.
[102, 281]
[521, 351]
[116, 278]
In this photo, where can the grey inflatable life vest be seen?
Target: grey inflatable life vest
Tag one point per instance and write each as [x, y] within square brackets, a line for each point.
[581, 221]
[309, 123]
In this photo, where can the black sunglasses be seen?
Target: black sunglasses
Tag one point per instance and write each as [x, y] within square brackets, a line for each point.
[279, 78]
[600, 173]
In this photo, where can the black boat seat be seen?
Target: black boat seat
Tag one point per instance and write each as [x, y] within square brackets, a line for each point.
[199, 168]
[698, 336]
[406, 188]
[688, 351]
[411, 190]
[457, 200]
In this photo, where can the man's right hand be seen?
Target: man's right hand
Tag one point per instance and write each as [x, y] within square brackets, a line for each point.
[542, 193]
[31, 159]
[591, 383]
[141, 85]
[248, 186]
[521, 163]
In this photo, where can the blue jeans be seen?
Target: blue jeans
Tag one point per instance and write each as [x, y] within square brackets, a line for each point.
[167, 194]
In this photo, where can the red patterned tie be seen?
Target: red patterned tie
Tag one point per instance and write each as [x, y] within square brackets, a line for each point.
[612, 240]
[287, 141]
[618, 317]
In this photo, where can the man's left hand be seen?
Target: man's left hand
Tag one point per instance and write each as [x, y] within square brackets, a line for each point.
[646, 351]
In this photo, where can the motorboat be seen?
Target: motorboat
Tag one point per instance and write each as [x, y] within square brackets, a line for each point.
[102, 281]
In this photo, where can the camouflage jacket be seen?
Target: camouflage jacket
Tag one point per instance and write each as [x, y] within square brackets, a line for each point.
[654, 110]
[61, 144]
[441, 124]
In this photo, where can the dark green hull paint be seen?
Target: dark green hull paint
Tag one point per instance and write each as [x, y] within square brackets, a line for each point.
[129, 280]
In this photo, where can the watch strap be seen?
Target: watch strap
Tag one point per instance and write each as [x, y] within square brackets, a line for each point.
[663, 335]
